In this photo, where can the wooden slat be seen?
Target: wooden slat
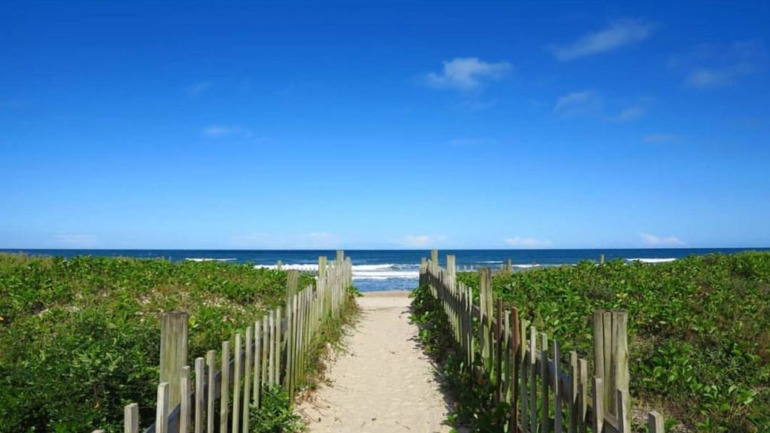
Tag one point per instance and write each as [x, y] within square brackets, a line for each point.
[200, 375]
[532, 378]
[582, 395]
[557, 388]
[184, 407]
[598, 395]
[257, 391]
[573, 392]
[247, 379]
[499, 352]
[655, 423]
[224, 403]
[620, 366]
[544, 418]
[271, 360]
[211, 363]
[161, 412]
[237, 384]
[131, 418]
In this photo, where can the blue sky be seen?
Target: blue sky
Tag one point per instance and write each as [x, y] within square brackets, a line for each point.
[374, 124]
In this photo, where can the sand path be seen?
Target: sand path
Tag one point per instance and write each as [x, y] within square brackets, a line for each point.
[382, 382]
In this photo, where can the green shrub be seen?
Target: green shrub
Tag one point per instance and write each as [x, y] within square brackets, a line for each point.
[699, 329]
[275, 414]
[80, 337]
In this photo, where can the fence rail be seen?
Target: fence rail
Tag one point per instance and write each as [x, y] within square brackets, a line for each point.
[545, 393]
[271, 352]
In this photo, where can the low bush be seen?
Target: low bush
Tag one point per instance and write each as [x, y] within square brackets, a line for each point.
[80, 337]
[699, 329]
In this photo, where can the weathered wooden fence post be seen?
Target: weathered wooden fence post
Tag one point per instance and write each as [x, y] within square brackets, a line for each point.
[173, 352]
[485, 300]
[434, 257]
[131, 418]
[292, 280]
[611, 363]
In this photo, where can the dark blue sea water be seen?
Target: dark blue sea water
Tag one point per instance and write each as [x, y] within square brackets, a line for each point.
[396, 269]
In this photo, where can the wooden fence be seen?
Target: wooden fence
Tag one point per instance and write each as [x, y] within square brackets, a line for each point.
[545, 393]
[272, 352]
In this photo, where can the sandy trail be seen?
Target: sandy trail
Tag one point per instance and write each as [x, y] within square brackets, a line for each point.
[382, 382]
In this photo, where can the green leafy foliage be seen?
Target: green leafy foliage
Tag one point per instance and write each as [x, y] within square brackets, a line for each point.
[275, 414]
[80, 337]
[472, 391]
[699, 329]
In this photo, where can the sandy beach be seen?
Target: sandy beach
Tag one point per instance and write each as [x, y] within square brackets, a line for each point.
[382, 381]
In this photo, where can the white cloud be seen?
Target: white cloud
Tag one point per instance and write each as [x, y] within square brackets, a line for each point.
[577, 103]
[423, 241]
[716, 77]
[719, 65]
[198, 88]
[75, 240]
[630, 113]
[618, 34]
[222, 131]
[660, 241]
[467, 73]
[660, 138]
[520, 242]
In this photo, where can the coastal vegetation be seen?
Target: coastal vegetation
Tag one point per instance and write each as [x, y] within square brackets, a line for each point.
[699, 331]
[80, 337]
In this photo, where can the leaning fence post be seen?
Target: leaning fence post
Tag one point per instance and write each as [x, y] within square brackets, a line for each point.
[434, 257]
[173, 352]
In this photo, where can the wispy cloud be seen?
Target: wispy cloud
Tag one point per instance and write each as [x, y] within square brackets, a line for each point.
[578, 103]
[660, 138]
[719, 65]
[631, 113]
[524, 242]
[467, 73]
[196, 89]
[75, 240]
[660, 241]
[717, 77]
[222, 131]
[618, 34]
[422, 241]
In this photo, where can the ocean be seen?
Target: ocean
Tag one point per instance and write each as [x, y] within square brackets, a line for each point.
[377, 270]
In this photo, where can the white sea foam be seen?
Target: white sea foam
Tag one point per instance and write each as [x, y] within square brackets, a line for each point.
[208, 259]
[527, 266]
[361, 272]
[302, 267]
[370, 268]
[384, 275]
[647, 260]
